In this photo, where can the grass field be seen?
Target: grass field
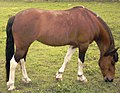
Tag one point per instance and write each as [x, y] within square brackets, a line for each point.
[44, 61]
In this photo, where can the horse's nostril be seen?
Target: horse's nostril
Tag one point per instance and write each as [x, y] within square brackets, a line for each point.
[108, 80]
[111, 80]
[105, 78]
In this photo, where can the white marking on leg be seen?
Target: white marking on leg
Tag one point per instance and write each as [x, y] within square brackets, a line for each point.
[81, 77]
[25, 77]
[67, 58]
[13, 65]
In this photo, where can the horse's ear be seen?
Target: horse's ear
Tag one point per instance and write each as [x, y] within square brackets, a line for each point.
[112, 52]
[115, 54]
[115, 57]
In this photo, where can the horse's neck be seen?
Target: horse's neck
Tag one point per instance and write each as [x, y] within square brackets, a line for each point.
[105, 41]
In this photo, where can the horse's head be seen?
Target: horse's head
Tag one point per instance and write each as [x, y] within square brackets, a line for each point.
[107, 65]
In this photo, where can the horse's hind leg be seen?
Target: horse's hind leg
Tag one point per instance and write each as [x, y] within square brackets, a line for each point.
[13, 64]
[67, 58]
[25, 77]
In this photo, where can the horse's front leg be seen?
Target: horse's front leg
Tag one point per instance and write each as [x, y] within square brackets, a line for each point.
[67, 58]
[25, 77]
[81, 76]
[81, 58]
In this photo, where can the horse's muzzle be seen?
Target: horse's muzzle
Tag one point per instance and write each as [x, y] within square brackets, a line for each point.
[108, 79]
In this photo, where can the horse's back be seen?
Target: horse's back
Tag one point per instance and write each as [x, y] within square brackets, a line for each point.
[59, 27]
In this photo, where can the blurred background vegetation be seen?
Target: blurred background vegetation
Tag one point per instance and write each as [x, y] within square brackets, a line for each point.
[66, 0]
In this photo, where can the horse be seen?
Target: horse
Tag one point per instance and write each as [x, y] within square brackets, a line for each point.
[77, 27]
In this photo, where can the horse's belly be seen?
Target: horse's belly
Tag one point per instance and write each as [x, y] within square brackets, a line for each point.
[53, 41]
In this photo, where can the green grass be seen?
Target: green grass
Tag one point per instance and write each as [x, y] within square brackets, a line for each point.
[44, 61]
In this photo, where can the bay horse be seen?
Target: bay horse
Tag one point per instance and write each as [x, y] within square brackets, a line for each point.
[77, 27]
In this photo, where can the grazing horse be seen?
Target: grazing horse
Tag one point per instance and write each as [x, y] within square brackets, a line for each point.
[77, 27]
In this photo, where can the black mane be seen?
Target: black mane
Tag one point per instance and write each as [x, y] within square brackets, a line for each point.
[112, 45]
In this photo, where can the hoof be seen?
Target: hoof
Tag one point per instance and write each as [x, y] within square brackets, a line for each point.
[59, 76]
[10, 86]
[26, 80]
[59, 79]
[82, 79]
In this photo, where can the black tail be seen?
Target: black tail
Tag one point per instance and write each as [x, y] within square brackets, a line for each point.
[9, 45]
